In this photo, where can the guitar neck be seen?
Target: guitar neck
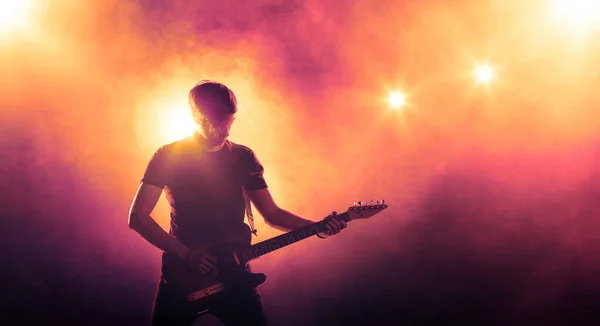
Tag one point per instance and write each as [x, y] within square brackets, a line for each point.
[286, 239]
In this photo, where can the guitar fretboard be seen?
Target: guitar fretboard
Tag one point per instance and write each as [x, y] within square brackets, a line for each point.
[286, 239]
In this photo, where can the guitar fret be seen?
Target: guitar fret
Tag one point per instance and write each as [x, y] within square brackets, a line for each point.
[294, 236]
[281, 241]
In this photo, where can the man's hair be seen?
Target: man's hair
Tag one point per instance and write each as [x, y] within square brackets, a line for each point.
[212, 100]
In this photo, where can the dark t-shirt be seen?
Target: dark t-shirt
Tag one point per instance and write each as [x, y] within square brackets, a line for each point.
[204, 189]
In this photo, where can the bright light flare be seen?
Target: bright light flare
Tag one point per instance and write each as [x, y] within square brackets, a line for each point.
[582, 15]
[163, 119]
[396, 100]
[176, 123]
[14, 14]
[484, 74]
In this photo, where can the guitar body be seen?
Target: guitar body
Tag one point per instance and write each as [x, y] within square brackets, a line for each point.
[232, 271]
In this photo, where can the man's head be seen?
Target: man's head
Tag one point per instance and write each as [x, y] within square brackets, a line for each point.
[213, 108]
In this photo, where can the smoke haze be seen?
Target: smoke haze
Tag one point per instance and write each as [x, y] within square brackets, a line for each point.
[493, 190]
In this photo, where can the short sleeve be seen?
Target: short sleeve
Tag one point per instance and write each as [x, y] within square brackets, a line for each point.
[254, 179]
[157, 170]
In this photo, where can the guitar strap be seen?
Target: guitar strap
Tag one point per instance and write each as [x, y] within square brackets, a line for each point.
[249, 212]
[246, 200]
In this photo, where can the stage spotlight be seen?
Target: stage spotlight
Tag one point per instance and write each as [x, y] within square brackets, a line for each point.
[396, 100]
[581, 15]
[14, 14]
[484, 74]
[177, 123]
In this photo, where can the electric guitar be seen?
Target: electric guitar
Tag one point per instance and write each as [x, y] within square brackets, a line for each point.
[234, 254]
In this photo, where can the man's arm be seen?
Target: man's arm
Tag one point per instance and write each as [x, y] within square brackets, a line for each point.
[140, 221]
[274, 215]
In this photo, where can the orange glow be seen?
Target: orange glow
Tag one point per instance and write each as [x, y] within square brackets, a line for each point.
[396, 100]
[14, 14]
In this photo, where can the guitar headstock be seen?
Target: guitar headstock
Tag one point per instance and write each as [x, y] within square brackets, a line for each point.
[363, 209]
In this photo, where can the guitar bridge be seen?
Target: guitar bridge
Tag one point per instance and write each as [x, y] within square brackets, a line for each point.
[206, 292]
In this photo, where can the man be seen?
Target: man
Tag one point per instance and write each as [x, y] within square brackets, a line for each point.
[204, 177]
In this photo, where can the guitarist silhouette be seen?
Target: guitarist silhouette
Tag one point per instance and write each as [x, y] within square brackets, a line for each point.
[207, 249]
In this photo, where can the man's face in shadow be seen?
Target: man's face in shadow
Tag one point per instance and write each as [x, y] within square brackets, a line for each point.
[216, 129]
